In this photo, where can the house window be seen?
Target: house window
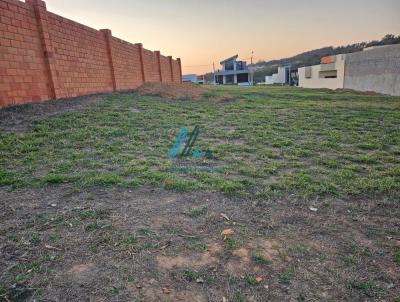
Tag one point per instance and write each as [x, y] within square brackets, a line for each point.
[329, 74]
[308, 72]
[230, 79]
[243, 78]
[229, 65]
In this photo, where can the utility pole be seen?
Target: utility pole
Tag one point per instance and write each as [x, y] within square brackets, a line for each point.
[214, 74]
[252, 72]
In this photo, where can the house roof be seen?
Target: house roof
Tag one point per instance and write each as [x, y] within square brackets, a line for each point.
[229, 59]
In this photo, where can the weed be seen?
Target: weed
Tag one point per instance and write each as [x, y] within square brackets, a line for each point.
[258, 257]
[196, 212]
[191, 275]
[285, 277]
[238, 297]
[91, 227]
[368, 288]
[250, 279]
[396, 258]
[196, 245]
[230, 244]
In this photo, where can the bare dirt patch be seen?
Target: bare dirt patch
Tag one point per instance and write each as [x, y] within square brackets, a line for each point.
[181, 261]
[19, 118]
[172, 90]
[152, 290]
[115, 244]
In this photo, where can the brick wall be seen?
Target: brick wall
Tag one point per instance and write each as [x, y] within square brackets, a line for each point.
[151, 67]
[165, 69]
[45, 56]
[23, 72]
[127, 65]
[176, 70]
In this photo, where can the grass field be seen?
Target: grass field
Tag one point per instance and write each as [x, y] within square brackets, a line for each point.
[307, 180]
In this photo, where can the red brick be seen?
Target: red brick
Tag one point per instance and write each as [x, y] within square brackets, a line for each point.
[79, 59]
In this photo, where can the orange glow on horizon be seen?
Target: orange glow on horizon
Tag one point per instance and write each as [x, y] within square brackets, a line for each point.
[203, 32]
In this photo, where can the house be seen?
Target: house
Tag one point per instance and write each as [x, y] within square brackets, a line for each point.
[374, 69]
[282, 77]
[233, 73]
[193, 78]
[269, 80]
[329, 74]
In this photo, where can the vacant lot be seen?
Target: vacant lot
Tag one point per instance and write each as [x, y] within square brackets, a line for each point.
[305, 185]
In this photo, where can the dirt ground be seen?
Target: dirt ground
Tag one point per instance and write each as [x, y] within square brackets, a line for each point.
[20, 118]
[172, 90]
[108, 244]
[62, 242]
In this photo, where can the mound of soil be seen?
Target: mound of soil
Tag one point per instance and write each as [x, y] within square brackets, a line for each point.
[172, 91]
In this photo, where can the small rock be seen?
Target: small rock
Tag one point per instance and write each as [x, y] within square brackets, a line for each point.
[53, 205]
[166, 291]
[225, 216]
[312, 209]
[266, 286]
[227, 232]
[200, 280]
[259, 279]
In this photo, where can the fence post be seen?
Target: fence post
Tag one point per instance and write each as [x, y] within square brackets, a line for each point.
[180, 69]
[108, 35]
[159, 64]
[42, 22]
[140, 45]
[172, 70]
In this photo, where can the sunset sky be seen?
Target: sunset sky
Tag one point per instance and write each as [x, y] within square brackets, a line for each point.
[207, 31]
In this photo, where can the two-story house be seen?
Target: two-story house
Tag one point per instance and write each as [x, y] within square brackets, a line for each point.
[233, 73]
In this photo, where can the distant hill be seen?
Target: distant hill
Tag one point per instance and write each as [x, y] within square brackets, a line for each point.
[313, 57]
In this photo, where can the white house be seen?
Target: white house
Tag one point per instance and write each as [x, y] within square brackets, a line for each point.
[373, 69]
[281, 77]
[329, 74]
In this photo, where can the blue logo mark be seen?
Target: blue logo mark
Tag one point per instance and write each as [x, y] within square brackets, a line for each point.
[188, 145]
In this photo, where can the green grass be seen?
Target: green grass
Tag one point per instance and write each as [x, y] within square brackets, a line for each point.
[266, 141]
[191, 275]
[196, 212]
[285, 277]
[396, 257]
[250, 279]
[259, 258]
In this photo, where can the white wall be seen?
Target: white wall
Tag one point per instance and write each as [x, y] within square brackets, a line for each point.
[374, 69]
[269, 80]
[316, 82]
[281, 76]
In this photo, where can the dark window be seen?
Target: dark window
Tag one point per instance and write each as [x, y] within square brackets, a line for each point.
[229, 65]
[243, 78]
[329, 74]
[230, 79]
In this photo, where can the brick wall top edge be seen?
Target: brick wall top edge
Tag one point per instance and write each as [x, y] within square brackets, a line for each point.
[16, 2]
[69, 21]
[124, 42]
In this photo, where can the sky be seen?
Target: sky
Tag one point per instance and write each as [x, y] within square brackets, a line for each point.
[201, 32]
